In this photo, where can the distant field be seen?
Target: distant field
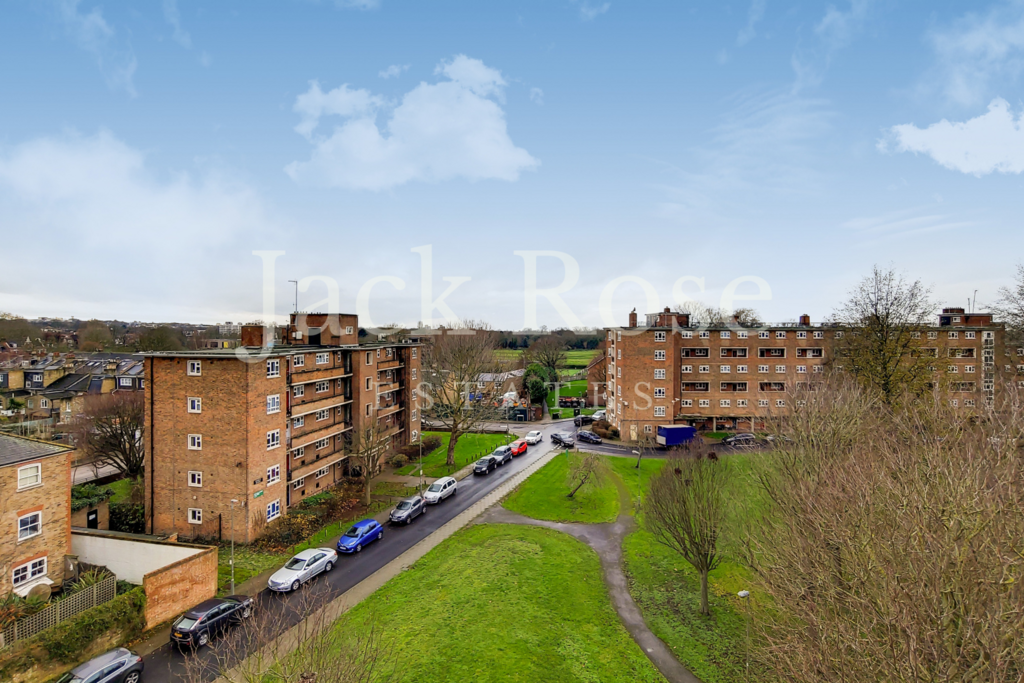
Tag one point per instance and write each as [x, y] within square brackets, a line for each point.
[576, 359]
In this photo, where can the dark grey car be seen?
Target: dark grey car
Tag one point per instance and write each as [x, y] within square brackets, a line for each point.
[120, 665]
[502, 454]
[408, 510]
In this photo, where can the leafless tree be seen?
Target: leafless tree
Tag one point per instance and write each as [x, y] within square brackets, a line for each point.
[315, 650]
[586, 471]
[893, 543]
[110, 432]
[707, 316]
[548, 352]
[369, 444]
[453, 366]
[881, 325]
[1010, 307]
[685, 509]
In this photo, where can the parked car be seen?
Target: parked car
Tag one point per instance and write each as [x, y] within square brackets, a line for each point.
[518, 447]
[120, 665]
[502, 454]
[197, 626]
[360, 534]
[741, 439]
[588, 437]
[302, 568]
[776, 439]
[484, 465]
[600, 415]
[441, 489]
[581, 420]
[408, 510]
[534, 437]
[563, 439]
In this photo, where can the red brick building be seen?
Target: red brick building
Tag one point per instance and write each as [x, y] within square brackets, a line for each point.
[267, 424]
[730, 376]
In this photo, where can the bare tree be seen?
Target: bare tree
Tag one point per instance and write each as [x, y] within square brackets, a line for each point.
[453, 366]
[1010, 307]
[263, 649]
[548, 352]
[893, 543]
[881, 325]
[369, 444]
[707, 316]
[586, 471]
[685, 509]
[110, 432]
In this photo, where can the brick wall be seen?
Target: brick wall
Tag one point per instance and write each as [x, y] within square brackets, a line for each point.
[178, 587]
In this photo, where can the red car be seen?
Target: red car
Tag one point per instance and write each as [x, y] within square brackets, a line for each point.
[518, 447]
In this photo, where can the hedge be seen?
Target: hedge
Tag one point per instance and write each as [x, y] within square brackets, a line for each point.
[129, 517]
[68, 642]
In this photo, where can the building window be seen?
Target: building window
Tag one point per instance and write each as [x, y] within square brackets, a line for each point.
[378, 353]
[299, 452]
[322, 443]
[801, 368]
[818, 368]
[367, 410]
[725, 403]
[725, 368]
[762, 403]
[195, 442]
[298, 361]
[968, 402]
[741, 368]
[648, 429]
[195, 368]
[704, 335]
[30, 525]
[298, 483]
[956, 318]
[195, 405]
[659, 393]
[686, 368]
[619, 336]
[724, 334]
[322, 386]
[273, 474]
[763, 368]
[741, 403]
[323, 472]
[369, 358]
[933, 335]
[28, 571]
[659, 336]
[742, 334]
[686, 403]
[619, 372]
[323, 358]
[413, 373]
[970, 335]
[704, 403]
[30, 475]
[415, 350]
[388, 352]
[780, 369]
[819, 335]
[659, 373]
[273, 404]
[273, 439]
[273, 368]
[299, 421]
[686, 334]
[954, 335]
[273, 510]
[839, 334]
[44, 403]
[195, 516]
[124, 381]
[299, 390]
[659, 411]
[703, 368]
[659, 355]
[348, 329]
[780, 403]
[195, 479]
[970, 368]
[801, 335]
[762, 335]
[953, 403]
[323, 414]
[413, 416]
[915, 335]
[952, 368]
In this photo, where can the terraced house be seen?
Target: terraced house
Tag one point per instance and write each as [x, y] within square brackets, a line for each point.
[235, 437]
[730, 377]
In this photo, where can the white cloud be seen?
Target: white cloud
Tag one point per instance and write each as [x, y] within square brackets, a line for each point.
[537, 95]
[91, 32]
[393, 71]
[977, 50]
[991, 142]
[754, 15]
[96, 197]
[589, 12]
[439, 131]
[173, 17]
[836, 30]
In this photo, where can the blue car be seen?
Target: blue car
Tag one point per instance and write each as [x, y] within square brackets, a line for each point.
[361, 533]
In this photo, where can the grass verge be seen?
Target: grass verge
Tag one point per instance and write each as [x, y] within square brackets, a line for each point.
[469, 447]
[499, 602]
[543, 496]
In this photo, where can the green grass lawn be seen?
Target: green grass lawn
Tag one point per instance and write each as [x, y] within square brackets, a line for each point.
[122, 490]
[392, 488]
[575, 359]
[501, 602]
[248, 563]
[634, 478]
[543, 496]
[470, 447]
[572, 389]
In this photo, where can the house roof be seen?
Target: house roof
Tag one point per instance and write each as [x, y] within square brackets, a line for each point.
[16, 449]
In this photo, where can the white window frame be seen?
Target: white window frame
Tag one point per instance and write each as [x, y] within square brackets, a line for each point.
[298, 484]
[33, 569]
[686, 403]
[780, 369]
[724, 334]
[762, 403]
[763, 334]
[819, 335]
[726, 369]
[659, 392]
[725, 403]
[37, 467]
[38, 514]
[323, 472]
[273, 368]
[659, 355]
[801, 334]
[195, 404]
[741, 403]
[704, 403]
[299, 421]
[954, 335]
[321, 444]
[273, 474]
[194, 368]
[780, 403]
[933, 335]
[703, 368]
[686, 369]
[764, 368]
[348, 329]
[659, 336]
[970, 335]
[741, 368]
[298, 361]
[322, 358]
[323, 414]
[195, 515]
[195, 479]
[742, 334]
[273, 404]
[44, 403]
[195, 442]
[659, 411]
[323, 386]
[780, 334]
[686, 334]
[273, 439]
[704, 335]
[273, 510]
[659, 373]
[801, 369]
[299, 390]
[124, 381]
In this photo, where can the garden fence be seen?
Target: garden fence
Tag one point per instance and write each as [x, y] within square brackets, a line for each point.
[62, 610]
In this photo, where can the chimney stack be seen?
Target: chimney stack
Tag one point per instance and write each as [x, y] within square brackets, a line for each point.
[632, 318]
[805, 320]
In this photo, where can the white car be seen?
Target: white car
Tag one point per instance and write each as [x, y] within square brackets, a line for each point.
[441, 489]
[534, 437]
[600, 415]
[302, 568]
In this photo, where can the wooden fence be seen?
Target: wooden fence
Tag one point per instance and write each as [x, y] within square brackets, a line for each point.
[62, 610]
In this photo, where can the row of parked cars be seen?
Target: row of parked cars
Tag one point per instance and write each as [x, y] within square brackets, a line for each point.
[504, 454]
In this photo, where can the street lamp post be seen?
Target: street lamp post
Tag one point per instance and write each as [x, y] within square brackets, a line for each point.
[421, 464]
[745, 595]
[233, 501]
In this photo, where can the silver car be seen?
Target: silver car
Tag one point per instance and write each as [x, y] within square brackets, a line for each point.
[117, 666]
[302, 568]
[441, 489]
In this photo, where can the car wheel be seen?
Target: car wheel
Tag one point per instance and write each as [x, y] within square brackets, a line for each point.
[132, 677]
[380, 535]
[246, 613]
[204, 639]
[328, 567]
[295, 585]
[359, 548]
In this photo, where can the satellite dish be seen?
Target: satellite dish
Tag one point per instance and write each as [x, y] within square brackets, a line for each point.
[40, 590]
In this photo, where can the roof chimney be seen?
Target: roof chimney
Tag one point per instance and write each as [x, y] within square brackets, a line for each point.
[805, 320]
[632, 318]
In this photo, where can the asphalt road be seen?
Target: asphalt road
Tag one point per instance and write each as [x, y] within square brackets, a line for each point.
[168, 664]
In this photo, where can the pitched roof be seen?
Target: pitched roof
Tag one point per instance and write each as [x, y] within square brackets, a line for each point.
[15, 449]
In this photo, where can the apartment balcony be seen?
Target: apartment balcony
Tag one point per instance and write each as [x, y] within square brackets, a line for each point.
[312, 373]
[385, 411]
[390, 387]
[312, 402]
[312, 432]
[389, 364]
[310, 463]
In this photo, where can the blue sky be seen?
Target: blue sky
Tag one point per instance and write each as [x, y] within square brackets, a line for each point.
[147, 150]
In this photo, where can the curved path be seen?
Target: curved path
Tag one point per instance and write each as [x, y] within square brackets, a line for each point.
[606, 540]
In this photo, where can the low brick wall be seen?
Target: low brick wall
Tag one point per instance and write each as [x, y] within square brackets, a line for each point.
[80, 518]
[177, 587]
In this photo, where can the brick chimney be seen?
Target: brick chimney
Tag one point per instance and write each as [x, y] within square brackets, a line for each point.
[805, 320]
[632, 318]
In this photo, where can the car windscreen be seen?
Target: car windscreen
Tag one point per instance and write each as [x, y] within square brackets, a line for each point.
[353, 532]
[434, 488]
[295, 563]
[69, 678]
[185, 623]
[483, 461]
[404, 505]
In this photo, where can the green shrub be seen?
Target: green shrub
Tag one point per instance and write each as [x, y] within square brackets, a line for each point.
[88, 495]
[430, 444]
[398, 460]
[128, 517]
[67, 641]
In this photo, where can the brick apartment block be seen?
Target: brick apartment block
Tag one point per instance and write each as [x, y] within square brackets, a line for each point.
[731, 376]
[35, 513]
[270, 429]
